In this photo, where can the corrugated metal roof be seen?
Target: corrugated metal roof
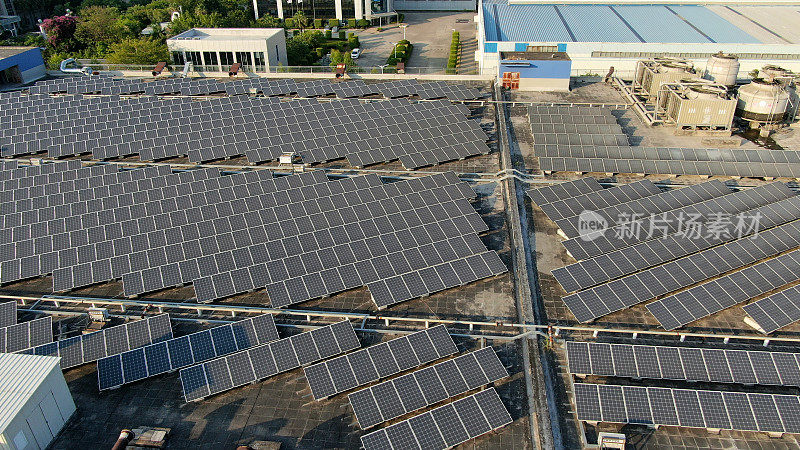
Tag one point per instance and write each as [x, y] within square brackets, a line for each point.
[714, 26]
[657, 24]
[607, 23]
[20, 376]
[532, 23]
[596, 23]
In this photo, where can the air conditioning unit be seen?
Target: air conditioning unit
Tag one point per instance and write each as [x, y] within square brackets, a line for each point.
[99, 314]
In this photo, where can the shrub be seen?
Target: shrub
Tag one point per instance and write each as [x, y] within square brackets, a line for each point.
[353, 42]
[404, 42]
[320, 52]
[392, 61]
[363, 23]
[341, 35]
[333, 23]
[327, 34]
[400, 48]
[351, 23]
[380, 29]
[400, 17]
[289, 22]
[317, 23]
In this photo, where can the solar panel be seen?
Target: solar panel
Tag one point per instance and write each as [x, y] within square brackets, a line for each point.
[630, 290]
[775, 311]
[77, 350]
[378, 361]
[687, 408]
[445, 426]
[21, 336]
[600, 199]
[721, 293]
[176, 353]
[8, 313]
[267, 360]
[562, 191]
[683, 363]
[774, 203]
[409, 393]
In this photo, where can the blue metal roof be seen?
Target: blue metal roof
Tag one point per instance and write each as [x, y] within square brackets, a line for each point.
[607, 23]
[713, 26]
[596, 23]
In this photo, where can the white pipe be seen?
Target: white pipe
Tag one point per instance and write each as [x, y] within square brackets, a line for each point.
[84, 70]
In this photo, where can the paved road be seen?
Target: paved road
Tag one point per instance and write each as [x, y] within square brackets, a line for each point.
[430, 34]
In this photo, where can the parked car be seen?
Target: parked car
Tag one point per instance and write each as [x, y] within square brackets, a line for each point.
[355, 53]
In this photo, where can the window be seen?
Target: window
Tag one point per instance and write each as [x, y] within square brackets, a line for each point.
[261, 64]
[277, 54]
[210, 58]
[758, 56]
[244, 59]
[178, 58]
[194, 57]
[226, 58]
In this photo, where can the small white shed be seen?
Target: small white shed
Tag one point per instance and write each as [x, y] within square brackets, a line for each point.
[35, 401]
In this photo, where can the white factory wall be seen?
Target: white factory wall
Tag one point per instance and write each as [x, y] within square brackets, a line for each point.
[274, 47]
[583, 63]
[40, 403]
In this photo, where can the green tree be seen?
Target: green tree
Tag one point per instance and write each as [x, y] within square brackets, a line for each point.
[100, 26]
[268, 21]
[137, 51]
[300, 20]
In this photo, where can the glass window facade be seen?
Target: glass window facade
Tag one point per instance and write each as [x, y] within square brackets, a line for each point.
[226, 58]
[194, 57]
[244, 59]
[260, 62]
[177, 58]
[210, 58]
[313, 9]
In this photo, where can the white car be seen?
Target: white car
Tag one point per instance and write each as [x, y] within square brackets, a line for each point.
[355, 53]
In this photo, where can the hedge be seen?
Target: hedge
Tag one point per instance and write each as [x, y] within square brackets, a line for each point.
[327, 34]
[351, 23]
[452, 60]
[333, 23]
[341, 35]
[402, 55]
[317, 23]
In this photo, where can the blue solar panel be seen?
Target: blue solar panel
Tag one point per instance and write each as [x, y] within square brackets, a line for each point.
[133, 365]
[202, 345]
[157, 358]
[180, 352]
[109, 372]
[223, 340]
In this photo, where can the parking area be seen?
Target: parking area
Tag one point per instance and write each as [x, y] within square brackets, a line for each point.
[429, 32]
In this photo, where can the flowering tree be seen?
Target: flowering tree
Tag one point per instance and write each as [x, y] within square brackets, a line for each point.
[61, 32]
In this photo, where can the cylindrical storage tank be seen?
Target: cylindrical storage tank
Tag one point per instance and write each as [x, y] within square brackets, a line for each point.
[770, 72]
[704, 92]
[762, 101]
[723, 69]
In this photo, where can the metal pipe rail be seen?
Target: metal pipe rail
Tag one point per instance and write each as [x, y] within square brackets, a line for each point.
[307, 315]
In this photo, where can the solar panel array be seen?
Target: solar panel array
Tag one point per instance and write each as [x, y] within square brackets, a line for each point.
[445, 426]
[379, 361]
[21, 336]
[8, 313]
[618, 269]
[173, 354]
[369, 133]
[419, 134]
[716, 295]
[90, 347]
[402, 395]
[684, 272]
[107, 85]
[775, 311]
[688, 408]
[684, 363]
[301, 236]
[562, 191]
[774, 203]
[562, 144]
[267, 360]
[569, 156]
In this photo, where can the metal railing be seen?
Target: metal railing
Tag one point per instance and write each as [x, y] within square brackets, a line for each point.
[101, 66]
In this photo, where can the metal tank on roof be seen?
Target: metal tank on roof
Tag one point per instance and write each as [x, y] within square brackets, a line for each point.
[722, 68]
[763, 100]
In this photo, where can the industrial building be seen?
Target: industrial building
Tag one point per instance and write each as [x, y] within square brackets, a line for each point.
[35, 401]
[20, 65]
[339, 9]
[217, 49]
[599, 35]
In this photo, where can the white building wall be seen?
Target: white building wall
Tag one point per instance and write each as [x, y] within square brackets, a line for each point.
[273, 47]
[42, 416]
